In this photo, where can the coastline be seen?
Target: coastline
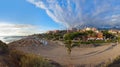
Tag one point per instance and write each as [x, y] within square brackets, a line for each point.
[8, 39]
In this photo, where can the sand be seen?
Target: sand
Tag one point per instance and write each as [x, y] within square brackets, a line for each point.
[79, 56]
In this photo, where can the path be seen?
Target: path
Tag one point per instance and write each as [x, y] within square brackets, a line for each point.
[79, 56]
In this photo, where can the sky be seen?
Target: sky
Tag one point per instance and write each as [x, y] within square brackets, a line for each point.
[19, 17]
[25, 17]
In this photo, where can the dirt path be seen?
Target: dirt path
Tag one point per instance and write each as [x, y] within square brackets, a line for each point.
[79, 56]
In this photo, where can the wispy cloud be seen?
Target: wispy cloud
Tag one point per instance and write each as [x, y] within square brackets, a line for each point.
[72, 13]
[11, 29]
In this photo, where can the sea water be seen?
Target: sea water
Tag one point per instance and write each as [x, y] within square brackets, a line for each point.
[8, 39]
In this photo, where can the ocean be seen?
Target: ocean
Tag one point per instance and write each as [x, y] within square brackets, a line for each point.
[8, 39]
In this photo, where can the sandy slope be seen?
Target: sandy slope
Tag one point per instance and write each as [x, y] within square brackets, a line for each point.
[79, 56]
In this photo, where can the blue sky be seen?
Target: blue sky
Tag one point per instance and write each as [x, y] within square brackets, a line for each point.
[23, 12]
[24, 17]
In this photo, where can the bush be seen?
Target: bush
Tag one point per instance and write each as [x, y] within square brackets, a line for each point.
[20, 59]
[34, 61]
[3, 47]
[93, 42]
[76, 44]
[114, 63]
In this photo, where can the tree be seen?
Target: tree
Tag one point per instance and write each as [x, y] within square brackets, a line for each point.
[71, 36]
[67, 36]
[69, 46]
[106, 34]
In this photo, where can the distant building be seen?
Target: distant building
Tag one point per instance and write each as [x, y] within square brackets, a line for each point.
[49, 32]
[93, 29]
[98, 36]
[114, 31]
[68, 31]
[89, 29]
[91, 38]
[72, 30]
[56, 31]
[96, 31]
[53, 32]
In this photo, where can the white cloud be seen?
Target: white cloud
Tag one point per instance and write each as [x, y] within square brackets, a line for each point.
[10, 29]
[73, 13]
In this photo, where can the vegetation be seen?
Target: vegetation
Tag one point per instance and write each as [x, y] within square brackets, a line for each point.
[20, 59]
[71, 36]
[69, 46]
[15, 58]
[3, 48]
[78, 37]
[68, 41]
[75, 35]
[108, 35]
[114, 63]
